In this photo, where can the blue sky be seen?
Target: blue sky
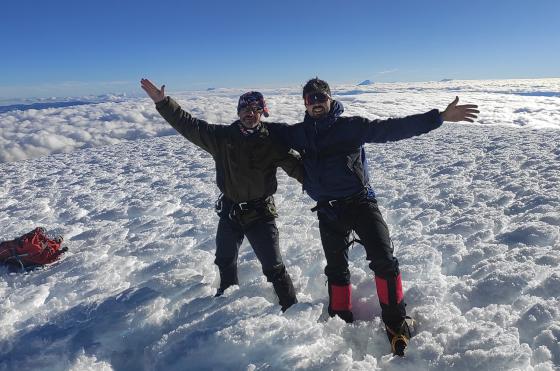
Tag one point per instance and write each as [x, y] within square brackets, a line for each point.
[61, 48]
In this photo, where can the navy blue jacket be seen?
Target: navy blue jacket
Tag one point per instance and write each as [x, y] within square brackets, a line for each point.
[332, 148]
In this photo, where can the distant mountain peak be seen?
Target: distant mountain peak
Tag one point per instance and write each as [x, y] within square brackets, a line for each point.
[366, 82]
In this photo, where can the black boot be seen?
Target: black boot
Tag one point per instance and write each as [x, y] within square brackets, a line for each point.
[286, 292]
[283, 286]
[223, 287]
[228, 277]
[346, 315]
[400, 335]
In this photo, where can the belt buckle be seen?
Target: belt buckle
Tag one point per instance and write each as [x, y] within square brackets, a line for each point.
[331, 203]
[242, 206]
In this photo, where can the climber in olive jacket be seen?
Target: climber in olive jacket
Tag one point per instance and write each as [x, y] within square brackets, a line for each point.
[246, 163]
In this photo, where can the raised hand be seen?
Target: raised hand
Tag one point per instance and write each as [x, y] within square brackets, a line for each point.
[455, 113]
[156, 94]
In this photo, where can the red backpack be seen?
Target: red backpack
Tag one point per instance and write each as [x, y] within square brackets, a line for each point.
[31, 250]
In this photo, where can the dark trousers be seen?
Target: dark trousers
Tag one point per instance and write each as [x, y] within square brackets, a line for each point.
[263, 237]
[363, 217]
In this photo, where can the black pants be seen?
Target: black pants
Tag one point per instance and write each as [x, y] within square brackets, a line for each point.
[363, 217]
[263, 237]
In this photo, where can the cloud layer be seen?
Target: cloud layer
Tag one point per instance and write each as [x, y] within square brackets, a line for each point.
[32, 133]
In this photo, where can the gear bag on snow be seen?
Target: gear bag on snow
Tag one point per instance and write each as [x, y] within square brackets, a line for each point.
[31, 250]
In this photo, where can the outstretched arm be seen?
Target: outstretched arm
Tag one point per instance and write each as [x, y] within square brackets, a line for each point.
[197, 131]
[379, 131]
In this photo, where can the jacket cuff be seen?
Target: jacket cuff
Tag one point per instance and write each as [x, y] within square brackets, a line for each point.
[437, 117]
[163, 102]
[440, 119]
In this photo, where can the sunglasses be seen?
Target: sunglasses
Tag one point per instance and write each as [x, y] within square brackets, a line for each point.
[315, 98]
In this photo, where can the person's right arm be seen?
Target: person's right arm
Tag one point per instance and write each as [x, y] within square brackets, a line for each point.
[197, 131]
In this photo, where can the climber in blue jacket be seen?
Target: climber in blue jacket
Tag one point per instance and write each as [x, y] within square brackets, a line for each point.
[336, 177]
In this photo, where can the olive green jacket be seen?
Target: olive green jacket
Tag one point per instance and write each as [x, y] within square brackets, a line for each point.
[245, 165]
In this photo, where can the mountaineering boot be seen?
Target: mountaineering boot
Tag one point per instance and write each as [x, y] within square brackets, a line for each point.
[285, 291]
[223, 287]
[284, 288]
[400, 335]
[228, 274]
[340, 302]
[283, 285]
[221, 290]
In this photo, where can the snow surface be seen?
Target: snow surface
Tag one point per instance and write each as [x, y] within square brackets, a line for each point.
[474, 212]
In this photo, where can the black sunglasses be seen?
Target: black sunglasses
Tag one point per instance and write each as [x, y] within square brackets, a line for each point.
[315, 98]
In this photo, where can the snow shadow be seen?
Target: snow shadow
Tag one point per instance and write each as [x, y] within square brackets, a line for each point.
[356, 92]
[100, 329]
[539, 94]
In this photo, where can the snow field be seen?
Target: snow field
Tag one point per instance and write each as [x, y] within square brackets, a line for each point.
[473, 212]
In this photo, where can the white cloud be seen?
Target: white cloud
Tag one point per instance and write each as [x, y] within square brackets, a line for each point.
[387, 71]
[32, 133]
